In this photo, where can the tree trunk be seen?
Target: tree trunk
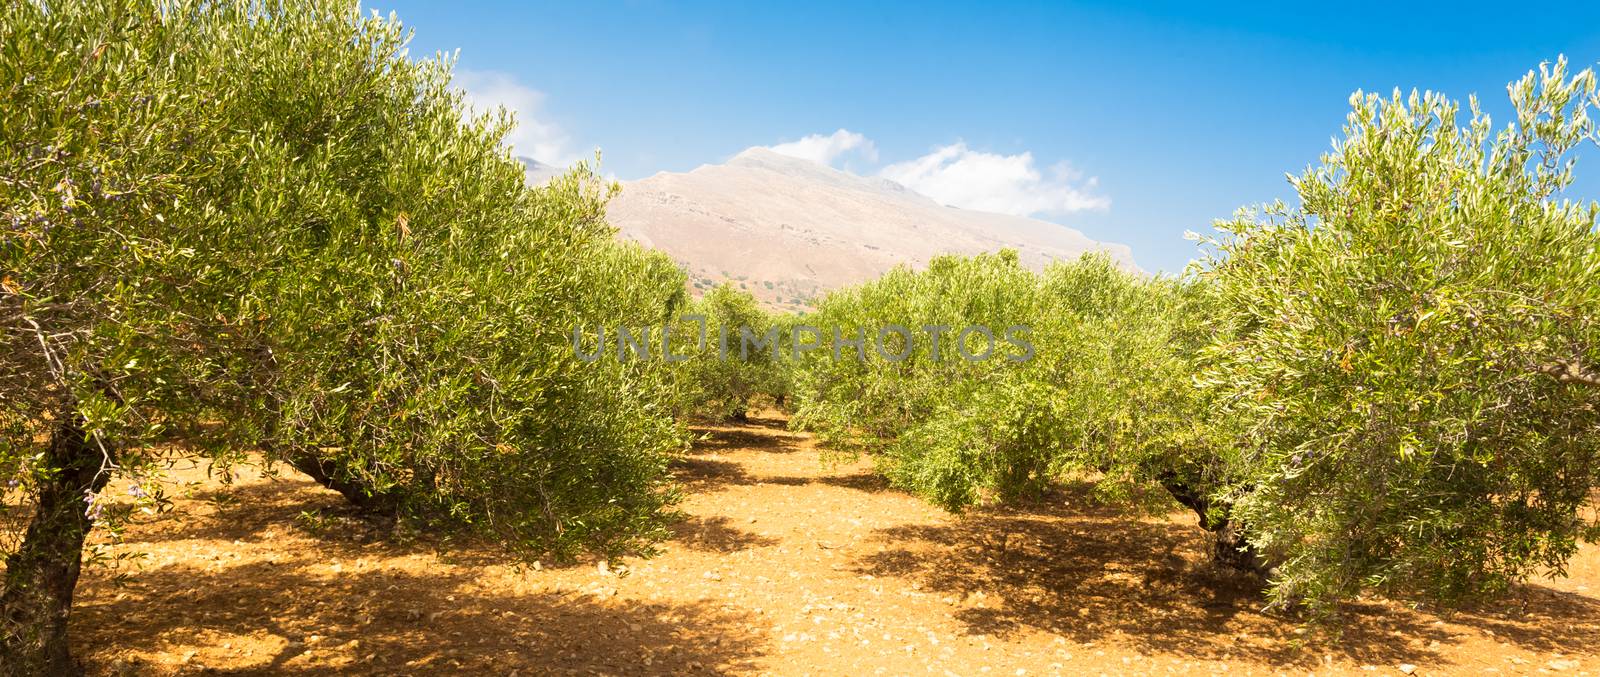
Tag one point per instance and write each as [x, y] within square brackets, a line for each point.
[40, 576]
[1229, 546]
[331, 475]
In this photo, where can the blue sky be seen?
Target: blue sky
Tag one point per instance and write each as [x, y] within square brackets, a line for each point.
[1132, 125]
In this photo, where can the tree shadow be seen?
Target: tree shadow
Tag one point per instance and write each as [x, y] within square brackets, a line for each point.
[247, 512]
[864, 481]
[758, 434]
[701, 475]
[1537, 618]
[701, 471]
[770, 419]
[1090, 574]
[717, 534]
[258, 511]
[347, 601]
[298, 618]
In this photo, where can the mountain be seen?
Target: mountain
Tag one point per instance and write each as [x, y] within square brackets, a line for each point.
[538, 173]
[787, 229]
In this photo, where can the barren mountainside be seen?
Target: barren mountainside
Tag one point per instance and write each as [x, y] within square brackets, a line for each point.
[537, 173]
[786, 228]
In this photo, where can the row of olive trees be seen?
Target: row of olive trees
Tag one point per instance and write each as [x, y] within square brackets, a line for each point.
[1107, 392]
[713, 358]
[236, 226]
[1390, 385]
[736, 357]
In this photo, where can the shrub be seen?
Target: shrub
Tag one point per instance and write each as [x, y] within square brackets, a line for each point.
[1409, 348]
[723, 383]
[1105, 393]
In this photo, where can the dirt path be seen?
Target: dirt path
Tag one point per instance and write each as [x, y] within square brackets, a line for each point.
[783, 566]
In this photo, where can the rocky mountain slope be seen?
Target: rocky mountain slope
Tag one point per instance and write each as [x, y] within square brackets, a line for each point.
[538, 173]
[786, 229]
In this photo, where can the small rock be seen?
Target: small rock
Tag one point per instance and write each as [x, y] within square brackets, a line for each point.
[1407, 668]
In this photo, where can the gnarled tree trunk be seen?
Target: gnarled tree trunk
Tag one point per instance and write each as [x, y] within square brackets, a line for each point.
[328, 472]
[332, 475]
[1229, 546]
[41, 575]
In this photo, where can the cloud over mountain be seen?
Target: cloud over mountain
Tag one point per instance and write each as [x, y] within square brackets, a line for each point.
[823, 150]
[958, 176]
[1005, 184]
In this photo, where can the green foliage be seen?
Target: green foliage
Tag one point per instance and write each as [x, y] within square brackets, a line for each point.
[1104, 393]
[723, 382]
[1391, 385]
[123, 274]
[202, 244]
[1391, 343]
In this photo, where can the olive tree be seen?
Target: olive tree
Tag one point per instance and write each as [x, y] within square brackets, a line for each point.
[1411, 351]
[229, 227]
[1088, 378]
[120, 285]
[721, 376]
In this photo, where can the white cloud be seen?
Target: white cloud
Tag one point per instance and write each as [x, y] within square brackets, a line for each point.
[1008, 184]
[823, 150]
[532, 137]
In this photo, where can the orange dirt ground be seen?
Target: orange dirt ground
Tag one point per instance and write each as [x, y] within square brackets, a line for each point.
[784, 566]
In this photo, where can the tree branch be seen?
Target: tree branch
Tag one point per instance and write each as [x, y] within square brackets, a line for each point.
[1571, 371]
